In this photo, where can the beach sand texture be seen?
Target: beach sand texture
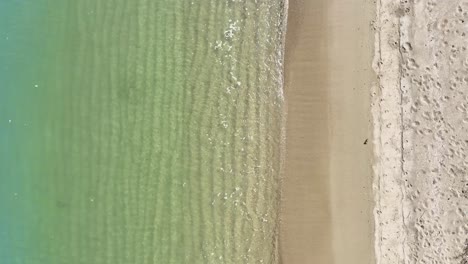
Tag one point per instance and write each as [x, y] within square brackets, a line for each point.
[326, 199]
[420, 127]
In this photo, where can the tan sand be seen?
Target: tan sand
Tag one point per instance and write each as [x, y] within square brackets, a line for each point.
[326, 207]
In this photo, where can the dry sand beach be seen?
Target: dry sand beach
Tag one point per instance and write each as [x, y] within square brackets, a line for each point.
[420, 122]
[376, 164]
[327, 207]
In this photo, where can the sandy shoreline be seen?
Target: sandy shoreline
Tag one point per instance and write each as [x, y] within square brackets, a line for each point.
[326, 200]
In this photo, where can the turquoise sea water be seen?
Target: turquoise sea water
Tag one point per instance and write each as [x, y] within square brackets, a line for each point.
[146, 131]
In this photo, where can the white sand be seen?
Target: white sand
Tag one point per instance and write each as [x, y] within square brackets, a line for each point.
[421, 132]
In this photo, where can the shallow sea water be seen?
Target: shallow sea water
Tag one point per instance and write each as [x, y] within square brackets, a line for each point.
[145, 131]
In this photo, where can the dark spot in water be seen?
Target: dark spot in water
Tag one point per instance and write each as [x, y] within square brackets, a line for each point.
[61, 204]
